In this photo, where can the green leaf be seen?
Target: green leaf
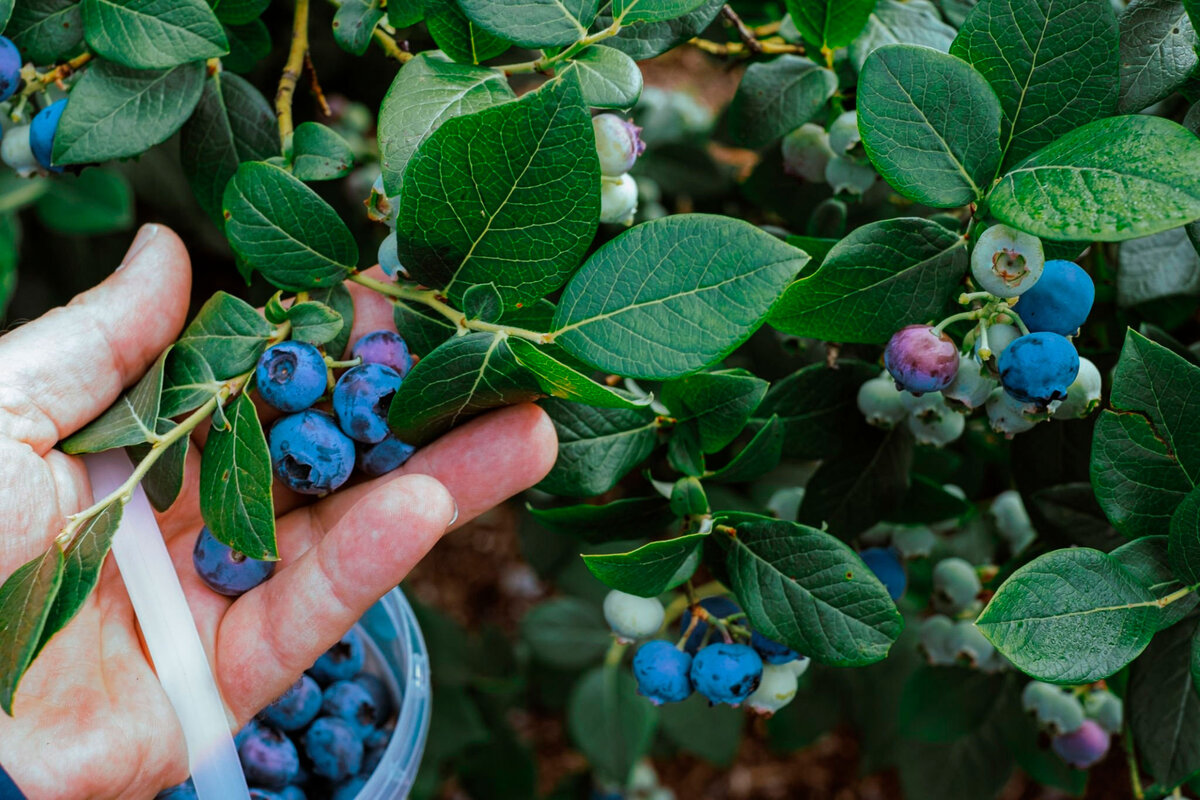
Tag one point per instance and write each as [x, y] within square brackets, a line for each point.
[760, 455]
[10, 245]
[533, 23]
[651, 569]
[26, 599]
[130, 420]
[153, 34]
[901, 22]
[596, 446]
[1157, 52]
[816, 405]
[320, 153]
[339, 299]
[422, 327]
[566, 383]
[82, 561]
[482, 302]
[608, 78]
[881, 277]
[164, 479]
[1147, 559]
[649, 39]
[462, 377]
[927, 502]
[863, 485]
[628, 518]
[1052, 64]
[248, 44]
[315, 323]
[713, 733]
[95, 201]
[116, 111]
[928, 147]
[43, 30]
[778, 96]
[530, 185]
[239, 12]
[188, 382]
[405, 13]
[944, 704]
[354, 24]
[1142, 176]
[1163, 706]
[6, 9]
[829, 24]
[1145, 451]
[1184, 539]
[566, 633]
[1154, 267]
[611, 724]
[806, 589]
[457, 36]
[228, 335]
[635, 306]
[717, 404]
[1070, 616]
[426, 92]
[283, 229]
[235, 483]
[630, 11]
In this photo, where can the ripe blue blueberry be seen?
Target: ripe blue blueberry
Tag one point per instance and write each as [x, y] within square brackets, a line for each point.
[245, 733]
[291, 376]
[333, 748]
[258, 793]
[1082, 748]
[374, 746]
[771, 651]
[10, 68]
[384, 347]
[1060, 301]
[296, 707]
[726, 673]
[662, 672]
[349, 788]
[269, 758]
[225, 570]
[719, 607]
[383, 457]
[352, 703]
[380, 696]
[361, 399]
[182, 791]
[342, 661]
[1039, 368]
[887, 568]
[310, 453]
[42, 130]
[292, 792]
[920, 359]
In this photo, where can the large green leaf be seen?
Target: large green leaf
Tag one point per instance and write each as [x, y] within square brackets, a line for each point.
[630, 11]
[608, 77]
[228, 336]
[829, 24]
[131, 420]
[96, 201]
[239, 12]
[1148, 560]
[930, 123]
[760, 455]
[354, 24]
[816, 406]
[458, 36]
[716, 405]
[1110, 180]
[1184, 545]
[6, 9]
[1157, 53]
[804, 588]
[153, 34]
[778, 96]
[1052, 63]
[533, 23]
[866, 482]
[520, 178]
[565, 382]
[320, 153]
[235, 483]
[881, 277]
[596, 446]
[116, 111]
[82, 561]
[248, 44]
[283, 229]
[620, 520]
[1156, 267]
[1163, 706]
[43, 30]
[649, 39]
[26, 598]
[673, 295]
[611, 724]
[651, 569]
[1070, 616]
[695, 726]
[566, 633]
[901, 22]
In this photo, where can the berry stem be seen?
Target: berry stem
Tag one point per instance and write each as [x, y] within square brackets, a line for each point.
[985, 351]
[1016, 318]
[680, 604]
[950, 320]
[692, 623]
[335, 364]
[546, 62]
[1135, 780]
[291, 73]
[616, 651]
[967, 297]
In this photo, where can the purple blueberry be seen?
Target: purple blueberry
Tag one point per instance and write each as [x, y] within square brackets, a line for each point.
[1060, 301]
[361, 399]
[719, 607]
[380, 696]
[10, 68]
[662, 672]
[771, 651]
[1039, 368]
[247, 730]
[310, 453]
[333, 748]
[296, 707]
[382, 458]
[1083, 747]
[726, 673]
[342, 661]
[384, 347]
[352, 703]
[225, 570]
[291, 376]
[182, 791]
[42, 130]
[269, 758]
[349, 789]
[887, 568]
[921, 360]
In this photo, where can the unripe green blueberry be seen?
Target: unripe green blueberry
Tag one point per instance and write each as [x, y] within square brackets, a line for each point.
[632, 617]
[1007, 415]
[1057, 709]
[955, 585]
[1012, 521]
[881, 403]
[1000, 335]
[617, 144]
[844, 137]
[618, 199]
[972, 385]
[1083, 395]
[937, 430]
[928, 404]
[936, 637]
[806, 153]
[776, 689]
[1106, 708]
[1006, 262]
[847, 175]
[970, 645]
[16, 151]
[915, 541]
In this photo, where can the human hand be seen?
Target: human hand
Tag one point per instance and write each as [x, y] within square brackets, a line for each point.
[90, 718]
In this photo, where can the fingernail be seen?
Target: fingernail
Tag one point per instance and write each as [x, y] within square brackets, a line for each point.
[145, 235]
[454, 518]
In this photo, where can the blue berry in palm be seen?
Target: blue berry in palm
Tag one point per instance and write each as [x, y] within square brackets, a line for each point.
[42, 131]
[771, 651]
[352, 703]
[310, 453]
[1060, 301]
[1084, 747]
[361, 399]
[269, 758]
[380, 695]
[10, 68]
[291, 376]
[1039, 368]
[384, 347]
[296, 707]
[333, 748]
[726, 673]
[719, 607]
[921, 359]
[342, 661]
[662, 672]
[182, 791]
[383, 457]
[225, 570]
[887, 568]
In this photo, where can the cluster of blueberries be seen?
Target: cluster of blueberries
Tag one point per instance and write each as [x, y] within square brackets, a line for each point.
[1020, 363]
[322, 738]
[26, 148]
[1080, 721]
[835, 156]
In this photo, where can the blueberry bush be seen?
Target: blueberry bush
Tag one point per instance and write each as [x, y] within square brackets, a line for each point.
[877, 389]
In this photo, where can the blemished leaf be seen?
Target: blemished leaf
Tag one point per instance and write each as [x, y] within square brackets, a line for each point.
[806, 589]
[235, 483]
[628, 518]
[649, 39]
[1052, 64]
[778, 96]
[26, 598]
[130, 420]
[651, 569]
[930, 124]
[1157, 52]
[1184, 539]
[1070, 616]
[565, 382]
[315, 323]
[533, 23]
[901, 22]
[339, 299]
[228, 334]
[596, 446]
[1147, 559]
[566, 633]
[354, 24]
[426, 92]
[1163, 706]
[662, 281]
[153, 34]
[608, 78]
[816, 405]
[867, 481]
[96, 201]
[82, 561]
[1145, 452]
[457, 36]
[829, 24]
[1142, 176]
[881, 277]
[630, 11]
[760, 455]
[320, 153]
[117, 112]
[1153, 267]
[285, 231]
[610, 722]
[43, 30]
[531, 185]
[716, 404]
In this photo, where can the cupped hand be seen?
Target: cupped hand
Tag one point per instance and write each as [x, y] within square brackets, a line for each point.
[90, 718]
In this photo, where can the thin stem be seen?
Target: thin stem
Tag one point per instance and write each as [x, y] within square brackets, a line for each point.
[740, 48]
[985, 351]
[335, 364]
[546, 62]
[1016, 318]
[390, 47]
[616, 651]
[745, 34]
[953, 318]
[1135, 780]
[291, 72]
[967, 297]
[39, 81]
[1175, 596]
[692, 623]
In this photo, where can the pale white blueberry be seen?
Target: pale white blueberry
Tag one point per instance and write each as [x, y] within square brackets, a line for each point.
[936, 640]
[955, 586]
[776, 689]
[847, 175]
[1006, 262]
[881, 403]
[1056, 709]
[806, 153]
[1009, 416]
[844, 137]
[17, 152]
[970, 644]
[1012, 520]
[972, 385]
[938, 429]
[914, 541]
[1106, 708]
[632, 617]
[999, 336]
[1083, 395]
[618, 199]
[617, 144]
